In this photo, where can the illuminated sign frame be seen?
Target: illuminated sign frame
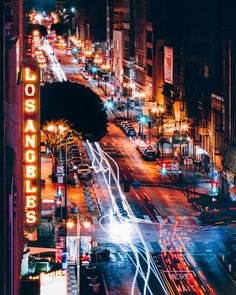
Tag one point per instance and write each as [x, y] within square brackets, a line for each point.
[168, 64]
[31, 140]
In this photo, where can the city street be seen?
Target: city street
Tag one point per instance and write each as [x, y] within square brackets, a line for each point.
[169, 226]
[118, 145]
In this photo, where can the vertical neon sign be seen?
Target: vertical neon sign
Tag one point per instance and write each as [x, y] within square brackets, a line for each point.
[31, 137]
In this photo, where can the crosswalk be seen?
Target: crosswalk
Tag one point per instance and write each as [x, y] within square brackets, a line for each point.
[176, 220]
[231, 232]
[72, 288]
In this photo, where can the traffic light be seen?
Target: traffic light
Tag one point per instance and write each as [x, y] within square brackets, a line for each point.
[163, 168]
[59, 190]
[214, 187]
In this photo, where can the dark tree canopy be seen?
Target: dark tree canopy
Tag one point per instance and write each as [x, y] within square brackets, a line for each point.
[77, 104]
[42, 29]
[59, 28]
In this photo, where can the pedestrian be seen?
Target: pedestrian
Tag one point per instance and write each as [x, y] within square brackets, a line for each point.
[158, 153]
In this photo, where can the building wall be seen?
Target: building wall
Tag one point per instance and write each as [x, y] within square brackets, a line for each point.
[118, 55]
[11, 138]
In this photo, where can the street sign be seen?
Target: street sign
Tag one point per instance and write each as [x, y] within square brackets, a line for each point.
[175, 166]
[174, 171]
[213, 174]
[60, 169]
[59, 178]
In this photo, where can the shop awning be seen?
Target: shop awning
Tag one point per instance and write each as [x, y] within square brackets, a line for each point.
[38, 250]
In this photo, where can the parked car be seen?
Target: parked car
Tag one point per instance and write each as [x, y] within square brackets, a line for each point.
[142, 148]
[76, 154]
[127, 127]
[130, 132]
[149, 155]
[75, 162]
[84, 171]
[123, 124]
[74, 149]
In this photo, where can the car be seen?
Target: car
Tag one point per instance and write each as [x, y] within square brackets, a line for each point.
[75, 155]
[123, 124]
[74, 148]
[127, 127]
[144, 148]
[149, 155]
[75, 162]
[84, 171]
[130, 132]
[84, 75]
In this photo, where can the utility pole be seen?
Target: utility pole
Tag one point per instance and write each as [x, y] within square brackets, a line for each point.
[65, 184]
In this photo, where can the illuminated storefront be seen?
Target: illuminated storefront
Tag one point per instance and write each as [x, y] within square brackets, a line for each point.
[31, 156]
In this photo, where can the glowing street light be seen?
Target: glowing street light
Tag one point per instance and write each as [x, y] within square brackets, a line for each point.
[87, 223]
[70, 224]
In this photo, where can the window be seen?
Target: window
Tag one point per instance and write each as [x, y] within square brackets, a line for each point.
[149, 70]
[149, 53]
[149, 36]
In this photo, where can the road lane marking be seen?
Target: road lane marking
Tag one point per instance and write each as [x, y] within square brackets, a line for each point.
[196, 219]
[146, 217]
[172, 219]
[160, 219]
[95, 219]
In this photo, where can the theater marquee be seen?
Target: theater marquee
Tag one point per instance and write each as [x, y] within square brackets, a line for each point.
[31, 139]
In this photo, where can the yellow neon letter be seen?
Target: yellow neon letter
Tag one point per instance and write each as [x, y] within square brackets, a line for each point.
[30, 217]
[30, 141]
[30, 89]
[30, 156]
[29, 77]
[30, 126]
[30, 105]
[29, 189]
[30, 202]
[30, 172]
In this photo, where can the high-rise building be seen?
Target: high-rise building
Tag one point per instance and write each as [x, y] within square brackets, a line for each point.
[140, 45]
[128, 60]
[118, 40]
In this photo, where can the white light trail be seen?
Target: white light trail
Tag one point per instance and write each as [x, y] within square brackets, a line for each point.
[100, 158]
[56, 67]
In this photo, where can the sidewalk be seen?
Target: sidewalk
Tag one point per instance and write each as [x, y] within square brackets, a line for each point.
[83, 195]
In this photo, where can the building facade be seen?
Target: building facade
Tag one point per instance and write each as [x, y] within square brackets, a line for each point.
[12, 203]
[186, 67]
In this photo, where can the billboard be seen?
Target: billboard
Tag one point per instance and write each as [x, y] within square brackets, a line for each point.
[168, 64]
[31, 144]
[54, 282]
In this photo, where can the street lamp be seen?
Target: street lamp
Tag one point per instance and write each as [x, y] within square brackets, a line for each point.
[159, 110]
[142, 121]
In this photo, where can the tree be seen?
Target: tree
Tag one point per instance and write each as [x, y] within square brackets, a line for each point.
[77, 104]
[58, 133]
[59, 28]
[42, 29]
